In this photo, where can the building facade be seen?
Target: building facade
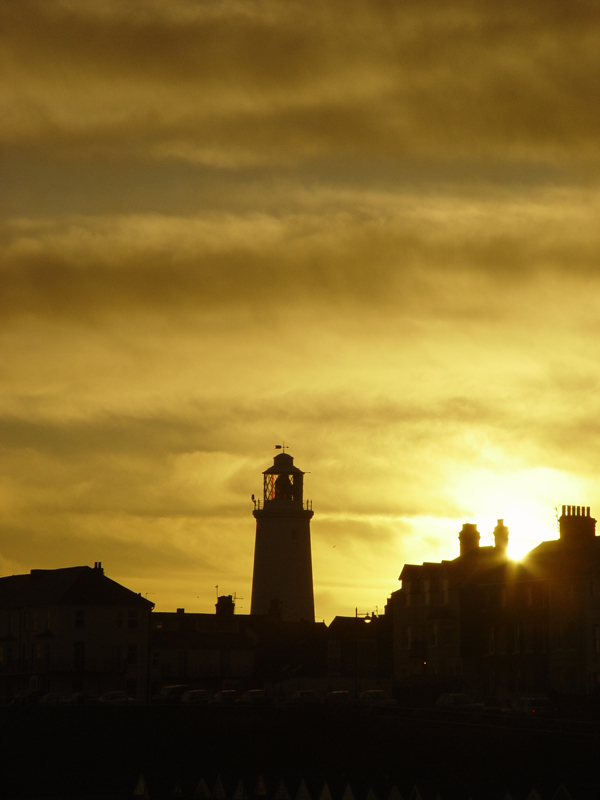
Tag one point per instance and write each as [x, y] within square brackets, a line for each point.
[70, 630]
[430, 638]
[504, 627]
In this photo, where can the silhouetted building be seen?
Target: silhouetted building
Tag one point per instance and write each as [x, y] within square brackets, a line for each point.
[69, 630]
[429, 635]
[535, 625]
[282, 583]
[568, 570]
[504, 643]
[506, 627]
[359, 648]
[236, 650]
[203, 650]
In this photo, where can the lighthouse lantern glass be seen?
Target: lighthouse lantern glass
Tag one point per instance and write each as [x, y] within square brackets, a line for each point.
[279, 487]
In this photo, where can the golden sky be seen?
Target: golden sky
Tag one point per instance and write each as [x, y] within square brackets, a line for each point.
[367, 228]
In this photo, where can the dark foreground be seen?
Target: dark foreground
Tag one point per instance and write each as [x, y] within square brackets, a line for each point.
[100, 752]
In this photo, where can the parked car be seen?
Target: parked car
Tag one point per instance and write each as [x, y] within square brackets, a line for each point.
[83, 698]
[171, 694]
[305, 697]
[117, 698]
[338, 698]
[226, 697]
[52, 699]
[253, 697]
[455, 701]
[531, 706]
[376, 697]
[198, 697]
[27, 697]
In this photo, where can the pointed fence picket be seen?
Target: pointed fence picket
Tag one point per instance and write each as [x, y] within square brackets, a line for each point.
[202, 792]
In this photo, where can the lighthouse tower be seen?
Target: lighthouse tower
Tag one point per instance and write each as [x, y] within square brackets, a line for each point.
[282, 583]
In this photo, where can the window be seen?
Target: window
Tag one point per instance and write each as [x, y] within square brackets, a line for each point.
[132, 621]
[445, 592]
[516, 638]
[156, 658]
[491, 640]
[433, 635]
[528, 639]
[503, 597]
[596, 638]
[529, 596]
[132, 654]
[79, 618]
[427, 585]
[558, 636]
[120, 619]
[182, 662]
[502, 639]
[117, 656]
[78, 655]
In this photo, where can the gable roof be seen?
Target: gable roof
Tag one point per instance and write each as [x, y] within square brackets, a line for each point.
[70, 586]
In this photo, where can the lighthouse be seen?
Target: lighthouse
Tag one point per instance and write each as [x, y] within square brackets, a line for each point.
[282, 584]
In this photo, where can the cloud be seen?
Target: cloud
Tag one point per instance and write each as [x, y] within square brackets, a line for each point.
[367, 229]
[234, 83]
[407, 251]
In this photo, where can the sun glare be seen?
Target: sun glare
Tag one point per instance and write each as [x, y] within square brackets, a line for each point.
[526, 500]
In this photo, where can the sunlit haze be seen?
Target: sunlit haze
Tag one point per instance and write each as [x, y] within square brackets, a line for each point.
[367, 229]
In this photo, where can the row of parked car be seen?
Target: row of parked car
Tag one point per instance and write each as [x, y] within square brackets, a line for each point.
[260, 697]
[188, 695]
[42, 698]
[528, 706]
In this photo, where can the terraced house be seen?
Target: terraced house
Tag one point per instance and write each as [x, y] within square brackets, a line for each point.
[69, 630]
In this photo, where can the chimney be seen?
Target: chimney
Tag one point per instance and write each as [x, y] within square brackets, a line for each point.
[576, 524]
[468, 538]
[225, 605]
[501, 537]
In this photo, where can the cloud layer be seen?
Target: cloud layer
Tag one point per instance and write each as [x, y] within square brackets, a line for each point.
[367, 229]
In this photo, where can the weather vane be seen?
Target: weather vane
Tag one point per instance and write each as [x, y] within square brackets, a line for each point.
[282, 446]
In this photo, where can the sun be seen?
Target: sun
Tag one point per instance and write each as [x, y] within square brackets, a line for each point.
[527, 500]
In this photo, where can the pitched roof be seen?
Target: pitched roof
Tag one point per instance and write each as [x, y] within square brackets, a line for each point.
[565, 558]
[71, 586]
